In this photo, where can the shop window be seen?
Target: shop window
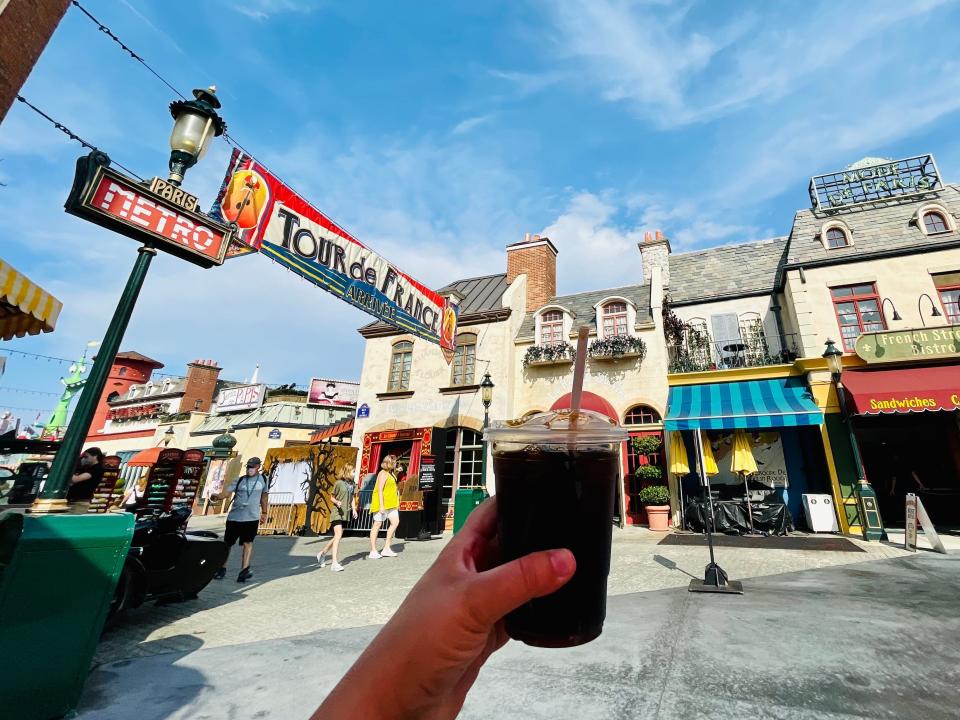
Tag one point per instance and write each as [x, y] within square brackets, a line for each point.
[400, 361]
[858, 312]
[935, 223]
[948, 287]
[836, 238]
[615, 319]
[641, 415]
[551, 327]
[463, 461]
[464, 359]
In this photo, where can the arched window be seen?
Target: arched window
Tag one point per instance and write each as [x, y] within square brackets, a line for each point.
[113, 397]
[400, 361]
[464, 358]
[123, 371]
[551, 327]
[615, 319]
[641, 415]
[934, 222]
[836, 238]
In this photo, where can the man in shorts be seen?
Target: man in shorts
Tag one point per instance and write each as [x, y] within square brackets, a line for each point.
[249, 508]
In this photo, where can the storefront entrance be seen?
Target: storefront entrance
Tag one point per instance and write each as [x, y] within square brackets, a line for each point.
[913, 453]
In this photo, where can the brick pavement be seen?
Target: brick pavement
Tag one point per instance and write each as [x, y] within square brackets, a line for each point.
[291, 596]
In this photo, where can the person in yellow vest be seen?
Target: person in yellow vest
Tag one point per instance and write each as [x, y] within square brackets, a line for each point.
[385, 505]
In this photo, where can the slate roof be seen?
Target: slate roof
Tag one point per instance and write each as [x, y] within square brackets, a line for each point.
[581, 305]
[134, 355]
[726, 271]
[480, 295]
[280, 414]
[874, 228]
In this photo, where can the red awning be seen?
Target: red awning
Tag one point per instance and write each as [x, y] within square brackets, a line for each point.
[331, 431]
[588, 401]
[146, 458]
[875, 392]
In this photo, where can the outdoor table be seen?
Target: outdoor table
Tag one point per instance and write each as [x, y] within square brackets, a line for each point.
[771, 518]
[737, 350]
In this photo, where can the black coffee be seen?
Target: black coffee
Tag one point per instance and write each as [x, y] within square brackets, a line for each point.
[559, 498]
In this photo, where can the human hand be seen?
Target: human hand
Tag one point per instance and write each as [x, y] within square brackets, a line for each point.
[446, 628]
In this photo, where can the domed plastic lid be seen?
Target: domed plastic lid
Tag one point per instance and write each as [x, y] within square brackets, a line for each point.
[559, 426]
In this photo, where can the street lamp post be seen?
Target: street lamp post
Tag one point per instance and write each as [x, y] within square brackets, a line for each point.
[486, 395]
[195, 123]
[870, 522]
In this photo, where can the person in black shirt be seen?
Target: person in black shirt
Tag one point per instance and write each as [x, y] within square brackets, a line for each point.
[84, 481]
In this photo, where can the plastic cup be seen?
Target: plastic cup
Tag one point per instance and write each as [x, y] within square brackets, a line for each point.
[556, 476]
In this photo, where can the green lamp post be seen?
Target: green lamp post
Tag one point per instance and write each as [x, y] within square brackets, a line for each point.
[195, 123]
[870, 521]
[486, 396]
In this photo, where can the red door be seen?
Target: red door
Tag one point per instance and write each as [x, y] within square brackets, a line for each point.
[631, 483]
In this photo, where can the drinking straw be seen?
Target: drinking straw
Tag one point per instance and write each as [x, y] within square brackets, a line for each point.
[578, 369]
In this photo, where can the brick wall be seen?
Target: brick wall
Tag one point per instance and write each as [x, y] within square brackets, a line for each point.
[25, 28]
[200, 385]
[535, 257]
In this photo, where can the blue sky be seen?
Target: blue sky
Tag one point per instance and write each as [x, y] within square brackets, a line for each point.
[439, 132]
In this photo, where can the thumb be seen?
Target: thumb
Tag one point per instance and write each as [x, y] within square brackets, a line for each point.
[502, 589]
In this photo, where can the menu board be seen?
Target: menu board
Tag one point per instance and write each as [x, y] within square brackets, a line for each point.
[163, 481]
[110, 489]
[428, 473]
[188, 477]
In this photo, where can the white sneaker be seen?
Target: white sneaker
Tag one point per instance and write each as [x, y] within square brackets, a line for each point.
[322, 559]
[336, 567]
[374, 556]
[387, 552]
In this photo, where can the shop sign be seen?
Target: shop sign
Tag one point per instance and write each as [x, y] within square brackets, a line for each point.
[274, 434]
[871, 183]
[428, 473]
[137, 412]
[110, 199]
[333, 393]
[767, 449]
[273, 219]
[363, 411]
[916, 512]
[894, 345]
[240, 397]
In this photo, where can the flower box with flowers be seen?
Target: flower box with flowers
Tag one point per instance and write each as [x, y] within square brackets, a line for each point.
[618, 347]
[561, 353]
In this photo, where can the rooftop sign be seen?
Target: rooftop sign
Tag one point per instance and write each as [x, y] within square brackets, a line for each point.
[874, 180]
[240, 397]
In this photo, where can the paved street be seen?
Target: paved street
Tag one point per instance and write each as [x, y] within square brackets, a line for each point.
[818, 634]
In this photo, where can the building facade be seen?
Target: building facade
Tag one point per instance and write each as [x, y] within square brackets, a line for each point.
[717, 340]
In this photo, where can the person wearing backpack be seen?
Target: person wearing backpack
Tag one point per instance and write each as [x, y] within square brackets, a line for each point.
[250, 504]
[343, 497]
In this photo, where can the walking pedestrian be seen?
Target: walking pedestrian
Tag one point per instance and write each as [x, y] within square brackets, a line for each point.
[385, 506]
[84, 481]
[343, 496]
[249, 509]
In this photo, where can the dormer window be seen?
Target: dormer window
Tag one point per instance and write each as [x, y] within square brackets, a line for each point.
[836, 238]
[551, 327]
[615, 319]
[935, 223]
[133, 392]
[835, 235]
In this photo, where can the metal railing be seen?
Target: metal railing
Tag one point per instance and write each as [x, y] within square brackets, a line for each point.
[701, 352]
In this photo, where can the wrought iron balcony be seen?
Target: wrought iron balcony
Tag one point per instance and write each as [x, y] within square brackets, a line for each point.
[700, 352]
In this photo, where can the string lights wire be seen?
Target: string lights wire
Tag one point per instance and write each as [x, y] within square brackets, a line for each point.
[70, 134]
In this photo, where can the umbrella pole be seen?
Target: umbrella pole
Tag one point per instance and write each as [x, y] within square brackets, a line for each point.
[746, 488]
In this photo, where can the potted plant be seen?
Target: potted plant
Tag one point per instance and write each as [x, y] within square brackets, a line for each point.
[649, 473]
[616, 347]
[555, 353]
[647, 444]
[656, 501]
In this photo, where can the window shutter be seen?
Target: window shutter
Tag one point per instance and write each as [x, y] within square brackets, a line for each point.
[726, 332]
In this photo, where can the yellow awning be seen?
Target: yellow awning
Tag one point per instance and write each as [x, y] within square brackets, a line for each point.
[25, 308]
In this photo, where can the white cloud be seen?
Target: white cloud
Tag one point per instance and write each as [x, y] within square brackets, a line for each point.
[264, 9]
[465, 126]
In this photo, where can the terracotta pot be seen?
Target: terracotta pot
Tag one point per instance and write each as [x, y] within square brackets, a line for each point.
[658, 517]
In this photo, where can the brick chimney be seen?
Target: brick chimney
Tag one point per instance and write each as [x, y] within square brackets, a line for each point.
[655, 252]
[201, 382]
[535, 257]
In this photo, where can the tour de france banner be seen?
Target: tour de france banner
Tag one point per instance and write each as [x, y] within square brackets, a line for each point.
[274, 220]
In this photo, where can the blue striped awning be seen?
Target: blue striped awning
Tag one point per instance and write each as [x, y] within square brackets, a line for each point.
[783, 402]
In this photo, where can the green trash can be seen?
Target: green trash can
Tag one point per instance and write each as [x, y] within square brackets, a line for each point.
[464, 502]
[57, 577]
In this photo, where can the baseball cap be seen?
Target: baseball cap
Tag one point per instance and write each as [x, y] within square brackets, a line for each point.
[253, 462]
